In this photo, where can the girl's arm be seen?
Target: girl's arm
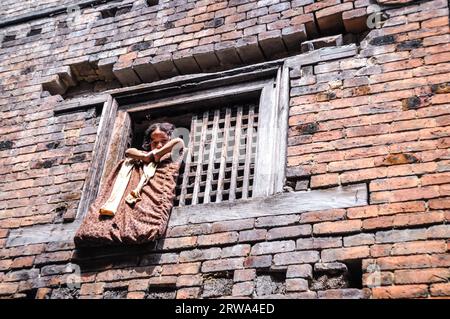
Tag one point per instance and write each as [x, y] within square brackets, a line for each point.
[154, 155]
[159, 153]
[136, 154]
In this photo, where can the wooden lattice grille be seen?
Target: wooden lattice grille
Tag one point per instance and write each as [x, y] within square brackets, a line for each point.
[220, 160]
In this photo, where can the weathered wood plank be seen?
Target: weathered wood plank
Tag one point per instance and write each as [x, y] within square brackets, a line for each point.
[198, 172]
[199, 96]
[212, 157]
[187, 166]
[118, 143]
[280, 154]
[42, 234]
[264, 174]
[279, 204]
[235, 161]
[223, 155]
[92, 182]
[248, 152]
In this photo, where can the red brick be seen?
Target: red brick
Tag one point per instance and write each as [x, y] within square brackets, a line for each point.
[8, 288]
[404, 207]
[404, 262]
[258, 261]
[188, 293]
[397, 292]
[136, 295]
[243, 288]
[363, 175]
[53, 257]
[350, 165]
[393, 183]
[318, 243]
[402, 235]
[180, 242]
[432, 179]
[181, 269]
[127, 273]
[381, 278]
[440, 231]
[324, 180]
[296, 284]
[252, 235]
[218, 239]
[342, 254]
[273, 247]
[138, 285]
[288, 232]
[299, 271]
[441, 290]
[406, 194]
[320, 216]
[281, 220]
[199, 254]
[23, 262]
[92, 289]
[244, 275]
[189, 280]
[162, 281]
[189, 230]
[419, 276]
[403, 220]
[300, 257]
[235, 251]
[337, 227]
[5, 264]
[222, 264]
[419, 247]
[359, 240]
[362, 212]
[437, 58]
[225, 226]
[440, 260]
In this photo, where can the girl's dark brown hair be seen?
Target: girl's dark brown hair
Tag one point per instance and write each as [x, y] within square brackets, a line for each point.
[165, 127]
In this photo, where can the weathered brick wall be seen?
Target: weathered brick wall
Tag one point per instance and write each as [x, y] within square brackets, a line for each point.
[380, 118]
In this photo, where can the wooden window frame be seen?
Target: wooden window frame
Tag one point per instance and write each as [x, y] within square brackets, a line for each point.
[270, 85]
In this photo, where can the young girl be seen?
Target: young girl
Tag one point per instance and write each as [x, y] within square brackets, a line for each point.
[135, 202]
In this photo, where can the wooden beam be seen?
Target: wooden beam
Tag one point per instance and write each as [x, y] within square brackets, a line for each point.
[92, 182]
[119, 140]
[279, 204]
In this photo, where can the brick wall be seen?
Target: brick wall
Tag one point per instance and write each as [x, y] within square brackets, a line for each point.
[380, 117]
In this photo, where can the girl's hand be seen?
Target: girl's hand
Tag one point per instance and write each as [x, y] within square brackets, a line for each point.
[156, 155]
[150, 157]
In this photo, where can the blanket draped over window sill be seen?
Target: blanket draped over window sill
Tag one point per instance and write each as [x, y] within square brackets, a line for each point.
[140, 223]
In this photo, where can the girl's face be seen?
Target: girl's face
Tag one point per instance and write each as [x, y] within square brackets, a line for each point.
[159, 139]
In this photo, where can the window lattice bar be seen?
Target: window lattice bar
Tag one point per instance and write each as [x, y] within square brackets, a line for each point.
[220, 159]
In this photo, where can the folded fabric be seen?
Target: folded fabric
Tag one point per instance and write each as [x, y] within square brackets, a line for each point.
[135, 195]
[120, 185]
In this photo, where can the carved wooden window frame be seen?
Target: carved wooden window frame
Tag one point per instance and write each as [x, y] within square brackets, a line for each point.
[272, 87]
